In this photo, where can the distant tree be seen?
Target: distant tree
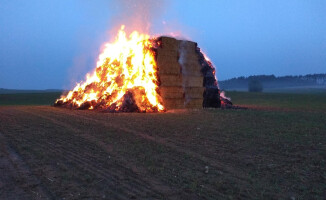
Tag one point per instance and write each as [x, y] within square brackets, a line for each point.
[255, 86]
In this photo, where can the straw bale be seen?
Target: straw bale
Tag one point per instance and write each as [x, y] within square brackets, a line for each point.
[169, 69]
[191, 64]
[169, 43]
[173, 103]
[168, 52]
[194, 92]
[168, 40]
[167, 65]
[192, 81]
[191, 68]
[188, 57]
[192, 73]
[171, 92]
[194, 103]
[171, 80]
[162, 59]
[188, 46]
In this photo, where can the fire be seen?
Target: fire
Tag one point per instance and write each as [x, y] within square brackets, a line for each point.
[125, 75]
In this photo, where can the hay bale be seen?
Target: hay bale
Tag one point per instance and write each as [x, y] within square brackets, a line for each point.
[167, 65]
[188, 52]
[169, 43]
[184, 74]
[188, 46]
[171, 80]
[168, 52]
[172, 92]
[197, 73]
[174, 103]
[188, 57]
[191, 64]
[194, 103]
[169, 69]
[191, 68]
[194, 92]
[192, 81]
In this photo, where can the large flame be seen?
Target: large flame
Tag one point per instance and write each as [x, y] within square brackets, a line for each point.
[126, 71]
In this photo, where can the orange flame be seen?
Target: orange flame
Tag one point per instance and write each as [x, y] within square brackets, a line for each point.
[126, 66]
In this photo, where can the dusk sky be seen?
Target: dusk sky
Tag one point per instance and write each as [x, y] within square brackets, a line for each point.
[53, 44]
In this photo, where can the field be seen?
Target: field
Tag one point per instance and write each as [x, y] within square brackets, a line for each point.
[274, 150]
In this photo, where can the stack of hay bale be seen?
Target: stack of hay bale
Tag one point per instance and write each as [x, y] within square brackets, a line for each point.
[170, 76]
[181, 79]
[191, 74]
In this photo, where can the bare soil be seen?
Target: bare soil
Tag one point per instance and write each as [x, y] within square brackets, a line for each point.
[54, 153]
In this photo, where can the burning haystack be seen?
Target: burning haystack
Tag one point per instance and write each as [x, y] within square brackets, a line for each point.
[139, 74]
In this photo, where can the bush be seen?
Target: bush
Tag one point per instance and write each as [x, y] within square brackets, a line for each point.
[255, 86]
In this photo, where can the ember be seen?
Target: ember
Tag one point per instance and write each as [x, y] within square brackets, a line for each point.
[139, 74]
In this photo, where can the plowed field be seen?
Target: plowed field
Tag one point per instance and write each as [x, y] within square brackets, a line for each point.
[259, 153]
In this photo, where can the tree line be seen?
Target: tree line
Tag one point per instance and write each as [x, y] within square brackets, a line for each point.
[259, 82]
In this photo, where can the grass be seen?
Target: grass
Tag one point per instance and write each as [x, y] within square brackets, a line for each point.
[299, 90]
[297, 101]
[29, 98]
[300, 101]
[274, 150]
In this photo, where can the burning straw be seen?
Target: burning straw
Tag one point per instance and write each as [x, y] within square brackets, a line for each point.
[139, 74]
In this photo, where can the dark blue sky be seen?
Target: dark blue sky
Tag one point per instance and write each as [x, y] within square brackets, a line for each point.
[53, 44]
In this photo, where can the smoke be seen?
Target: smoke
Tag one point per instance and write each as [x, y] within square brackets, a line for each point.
[138, 14]
[107, 18]
[182, 58]
[222, 94]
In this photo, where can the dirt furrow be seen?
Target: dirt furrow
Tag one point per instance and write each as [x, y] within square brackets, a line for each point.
[213, 162]
[112, 179]
[70, 154]
[212, 190]
[12, 167]
[124, 130]
[88, 137]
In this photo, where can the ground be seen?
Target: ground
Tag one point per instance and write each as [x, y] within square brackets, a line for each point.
[274, 150]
